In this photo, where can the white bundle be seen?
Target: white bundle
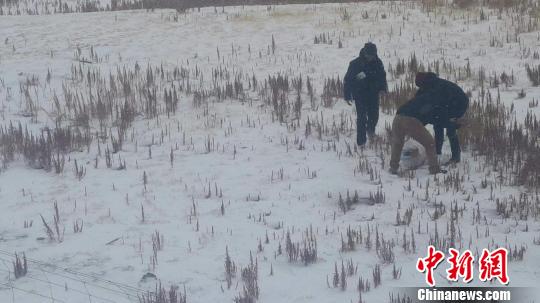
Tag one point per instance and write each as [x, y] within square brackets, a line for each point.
[413, 155]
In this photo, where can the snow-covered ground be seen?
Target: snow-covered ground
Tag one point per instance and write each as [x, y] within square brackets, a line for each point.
[227, 175]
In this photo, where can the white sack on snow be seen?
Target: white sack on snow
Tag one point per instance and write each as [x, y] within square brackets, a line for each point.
[413, 155]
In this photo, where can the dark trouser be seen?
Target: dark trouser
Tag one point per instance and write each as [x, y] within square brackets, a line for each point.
[451, 133]
[367, 116]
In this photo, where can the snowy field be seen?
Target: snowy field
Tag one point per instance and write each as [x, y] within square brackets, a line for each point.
[181, 140]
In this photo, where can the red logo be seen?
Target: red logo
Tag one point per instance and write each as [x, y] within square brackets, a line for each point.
[429, 263]
[491, 265]
[460, 266]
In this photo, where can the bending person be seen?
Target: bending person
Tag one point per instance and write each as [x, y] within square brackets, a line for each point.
[453, 102]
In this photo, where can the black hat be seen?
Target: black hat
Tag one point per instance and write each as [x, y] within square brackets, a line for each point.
[370, 49]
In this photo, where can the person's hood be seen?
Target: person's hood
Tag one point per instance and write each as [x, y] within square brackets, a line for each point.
[425, 79]
[369, 49]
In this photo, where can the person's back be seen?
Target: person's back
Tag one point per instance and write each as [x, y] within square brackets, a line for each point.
[454, 99]
[449, 97]
[422, 108]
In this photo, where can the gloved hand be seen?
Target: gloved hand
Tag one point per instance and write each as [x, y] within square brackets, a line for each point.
[361, 76]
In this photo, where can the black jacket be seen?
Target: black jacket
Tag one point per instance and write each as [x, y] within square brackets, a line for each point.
[422, 108]
[375, 80]
[449, 99]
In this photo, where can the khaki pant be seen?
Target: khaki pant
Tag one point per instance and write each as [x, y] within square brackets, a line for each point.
[412, 127]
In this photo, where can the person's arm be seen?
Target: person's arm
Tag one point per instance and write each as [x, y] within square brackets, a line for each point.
[462, 105]
[380, 77]
[442, 115]
[347, 83]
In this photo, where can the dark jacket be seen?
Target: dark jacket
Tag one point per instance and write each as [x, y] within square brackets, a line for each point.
[422, 108]
[451, 100]
[375, 80]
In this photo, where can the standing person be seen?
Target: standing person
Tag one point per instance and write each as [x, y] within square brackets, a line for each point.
[454, 103]
[409, 121]
[364, 80]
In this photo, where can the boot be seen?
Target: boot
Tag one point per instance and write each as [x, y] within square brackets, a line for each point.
[433, 170]
[456, 158]
[361, 139]
[453, 160]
